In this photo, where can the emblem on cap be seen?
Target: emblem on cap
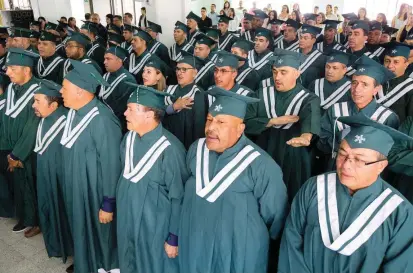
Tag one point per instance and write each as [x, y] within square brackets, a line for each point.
[394, 51]
[304, 29]
[280, 61]
[362, 69]
[359, 139]
[221, 60]
[332, 58]
[218, 108]
[354, 25]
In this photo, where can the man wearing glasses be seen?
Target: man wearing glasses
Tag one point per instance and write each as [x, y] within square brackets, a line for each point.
[365, 84]
[351, 220]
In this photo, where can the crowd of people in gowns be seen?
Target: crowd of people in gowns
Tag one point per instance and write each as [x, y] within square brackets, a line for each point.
[281, 147]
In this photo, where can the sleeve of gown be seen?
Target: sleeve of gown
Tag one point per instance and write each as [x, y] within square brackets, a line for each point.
[401, 155]
[200, 112]
[399, 253]
[25, 145]
[409, 106]
[271, 193]
[393, 121]
[291, 258]
[310, 116]
[325, 141]
[107, 146]
[254, 124]
[175, 173]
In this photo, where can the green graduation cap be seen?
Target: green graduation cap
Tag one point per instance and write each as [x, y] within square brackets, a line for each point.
[22, 32]
[203, 39]
[115, 29]
[337, 56]
[21, 57]
[248, 16]
[49, 88]
[275, 22]
[80, 38]
[368, 134]
[260, 14]
[34, 34]
[389, 30]
[264, 32]
[310, 16]
[224, 19]
[47, 36]
[144, 36]
[229, 103]
[289, 58]
[211, 32]
[360, 24]
[181, 26]
[193, 16]
[118, 51]
[374, 25]
[368, 67]
[228, 59]
[90, 27]
[127, 27]
[154, 27]
[331, 24]
[85, 76]
[396, 49]
[350, 16]
[158, 64]
[292, 23]
[243, 44]
[35, 23]
[190, 59]
[114, 37]
[52, 26]
[148, 96]
[62, 25]
[310, 29]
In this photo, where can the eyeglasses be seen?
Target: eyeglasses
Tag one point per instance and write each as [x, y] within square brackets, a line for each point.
[356, 162]
[223, 71]
[182, 69]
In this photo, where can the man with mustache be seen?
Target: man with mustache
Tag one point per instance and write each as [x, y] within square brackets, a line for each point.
[235, 199]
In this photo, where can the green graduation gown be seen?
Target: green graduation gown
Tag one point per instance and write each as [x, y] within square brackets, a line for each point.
[298, 101]
[330, 231]
[188, 124]
[377, 50]
[205, 76]
[149, 200]
[227, 222]
[175, 51]
[96, 52]
[18, 137]
[328, 48]
[240, 90]
[249, 35]
[260, 63]
[160, 50]
[397, 94]
[127, 45]
[331, 92]
[192, 37]
[401, 162]
[226, 41]
[52, 211]
[60, 48]
[116, 95]
[313, 67]
[248, 77]
[5, 79]
[137, 63]
[358, 54]
[283, 44]
[91, 157]
[50, 68]
[67, 66]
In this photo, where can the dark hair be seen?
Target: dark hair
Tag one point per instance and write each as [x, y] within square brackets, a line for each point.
[3, 42]
[288, 9]
[143, 8]
[110, 16]
[275, 14]
[203, 8]
[365, 11]
[158, 114]
[70, 20]
[297, 15]
[214, 5]
[58, 100]
[229, 4]
[41, 18]
[127, 14]
[118, 17]
[329, 5]
[87, 16]
[63, 17]
[317, 7]
[384, 19]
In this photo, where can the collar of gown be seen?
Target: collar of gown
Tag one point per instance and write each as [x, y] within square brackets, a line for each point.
[151, 136]
[373, 190]
[234, 150]
[85, 109]
[25, 86]
[370, 108]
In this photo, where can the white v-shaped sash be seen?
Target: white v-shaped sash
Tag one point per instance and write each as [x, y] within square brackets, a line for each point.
[106, 91]
[248, 36]
[171, 90]
[268, 94]
[241, 77]
[193, 40]
[2, 103]
[257, 65]
[212, 190]
[135, 173]
[310, 60]
[292, 47]
[363, 226]
[134, 69]
[334, 97]
[13, 109]
[398, 91]
[225, 42]
[278, 39]
[67, 64]
[43, 142]
[155, 47]
[71, 135]
[92, 49]
[204, 70]
[49, 68]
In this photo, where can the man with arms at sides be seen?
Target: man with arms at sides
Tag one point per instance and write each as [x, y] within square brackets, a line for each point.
[246, 27]
[116, 95]
[18, 125]
[351, 220]
[257, 20]
[235, 196]
[213, 15]
[91, 157]
[180, 37]
[314, 65]
[156, 47]
[397, 93]
[76, 50]
[247, 76]
[365, 84]
[158, 188]
[286, 120]
[128, 31]
[205, 20]
[48, 105]
[50, 64]
[373, 41]
[202, 50]
[226, 39]
[140, 55]
[258, 58]
[192, 21]
[186, 124]
[95, 50]
[329, 42]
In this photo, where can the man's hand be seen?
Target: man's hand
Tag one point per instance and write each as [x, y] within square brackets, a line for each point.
[171, 251]
[283, 120]
[183, 103]
[302, 141]
[13, 164]
[105, 217]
